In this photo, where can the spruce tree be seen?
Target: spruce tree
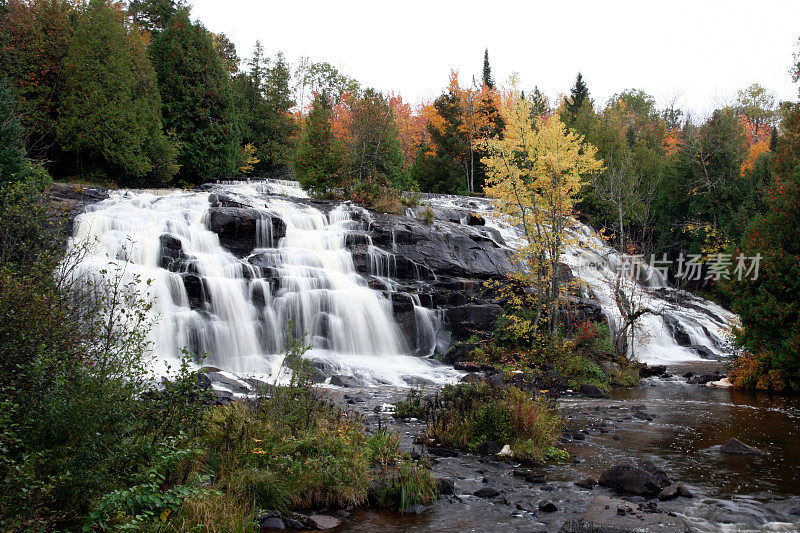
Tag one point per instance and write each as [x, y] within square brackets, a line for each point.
[110, 114]
[540, 105]
[154, 15]
[11, 155]
[579, 94]
[487, 70]
[319, 159]
[197, 100]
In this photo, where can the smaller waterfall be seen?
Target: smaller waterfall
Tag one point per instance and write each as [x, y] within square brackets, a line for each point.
[682, 326]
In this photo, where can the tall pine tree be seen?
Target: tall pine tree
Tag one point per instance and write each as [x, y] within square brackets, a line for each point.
[110, 115]
[579, 95]
[487, 70]
[197, 100]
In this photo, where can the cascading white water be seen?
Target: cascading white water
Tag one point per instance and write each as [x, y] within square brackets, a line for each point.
[240, 322]
[702, 323]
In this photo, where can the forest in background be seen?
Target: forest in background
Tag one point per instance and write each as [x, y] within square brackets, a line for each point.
[139, 95]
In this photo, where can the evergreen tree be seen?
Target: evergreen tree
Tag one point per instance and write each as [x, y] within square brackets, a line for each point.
[487, 70]
[154, 15]
[442, 169]
[110, 111]
[11, 155]
[280, 125]
[540, 104]
[319, 159]
[579, 95]
[264, 101]
[197, 100]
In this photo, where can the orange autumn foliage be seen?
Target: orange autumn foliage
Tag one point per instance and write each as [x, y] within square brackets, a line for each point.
[758, 139]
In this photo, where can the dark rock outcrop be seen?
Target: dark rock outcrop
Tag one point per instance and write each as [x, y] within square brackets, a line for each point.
[238, 227]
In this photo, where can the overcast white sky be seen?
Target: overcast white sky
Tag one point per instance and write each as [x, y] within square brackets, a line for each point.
[701, 50]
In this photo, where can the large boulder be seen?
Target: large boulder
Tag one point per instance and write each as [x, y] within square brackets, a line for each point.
[637, 477]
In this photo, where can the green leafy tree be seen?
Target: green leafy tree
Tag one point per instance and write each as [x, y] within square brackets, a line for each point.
[374, 144]
[197, 100]
[320, 158]
[35, 36]
[441, 167]
[11, 155]
[769, 306]
[110, 113]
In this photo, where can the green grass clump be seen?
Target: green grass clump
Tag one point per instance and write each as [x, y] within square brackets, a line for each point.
[465, 416]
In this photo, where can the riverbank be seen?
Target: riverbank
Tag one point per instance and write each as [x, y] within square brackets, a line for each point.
[678, 426]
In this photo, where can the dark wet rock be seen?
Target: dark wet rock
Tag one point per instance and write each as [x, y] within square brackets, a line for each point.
[271, 521]
[445, 486]
[673, 491]
[466, 366]
[443, 452]
[322, 522]
[344, 381]
[702, 379]
[677, 331]
[527, 506]
[237, 228]
[535, 477]
[737, 447]
[449, 249]
[637, 477]
[704, 352]
[610, 515]
[459, 352]
[487, 492]
[415, 509]
[293, 523]
[195, 291]
[490, 447]
[464, 320]
[591, 391]
[547, 506]
[474, 219]
[650, 371]
[587, 483]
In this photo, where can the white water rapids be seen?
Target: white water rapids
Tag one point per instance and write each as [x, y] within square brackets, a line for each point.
[241, 323]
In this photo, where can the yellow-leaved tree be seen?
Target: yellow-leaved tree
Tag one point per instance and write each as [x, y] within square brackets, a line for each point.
[535, 173]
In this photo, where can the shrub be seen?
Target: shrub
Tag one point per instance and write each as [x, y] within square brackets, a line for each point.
[465, 416]
[407, 483]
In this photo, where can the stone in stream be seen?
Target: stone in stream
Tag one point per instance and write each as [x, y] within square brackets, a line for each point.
[445, 486]
[271, 523]
[737, 447]
[673, 491]
[547, 506]
[587, 483]
[591, 391]
[443, 452]
[534, 477]
[602, 516]
[650, 371]
[637, 477]
[486, 492]
[322, 522]
[415, 509]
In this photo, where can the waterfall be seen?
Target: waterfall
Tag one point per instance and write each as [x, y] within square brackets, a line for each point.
[236, 310]
[682, 326]
[299, 266]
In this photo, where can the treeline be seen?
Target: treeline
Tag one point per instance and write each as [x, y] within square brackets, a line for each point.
[140, 95]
